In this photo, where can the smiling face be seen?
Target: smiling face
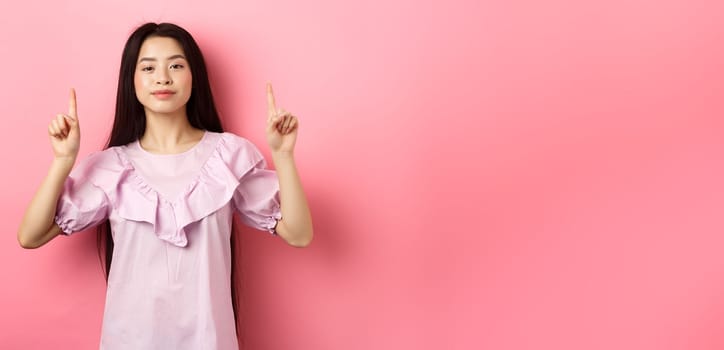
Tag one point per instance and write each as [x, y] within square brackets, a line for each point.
[162, 78]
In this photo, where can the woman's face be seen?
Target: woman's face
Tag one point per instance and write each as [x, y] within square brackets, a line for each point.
[162, 78]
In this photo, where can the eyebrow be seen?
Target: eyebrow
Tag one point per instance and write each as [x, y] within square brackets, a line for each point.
[154, 59]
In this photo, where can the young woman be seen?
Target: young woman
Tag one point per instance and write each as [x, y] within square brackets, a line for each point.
[164, 192]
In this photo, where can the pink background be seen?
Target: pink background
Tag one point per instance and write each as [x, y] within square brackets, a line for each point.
[482, 174]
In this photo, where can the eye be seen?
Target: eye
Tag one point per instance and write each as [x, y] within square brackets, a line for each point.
[176, 66]
[147, 69]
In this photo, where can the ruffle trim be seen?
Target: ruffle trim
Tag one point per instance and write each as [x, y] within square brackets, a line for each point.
[218, 179]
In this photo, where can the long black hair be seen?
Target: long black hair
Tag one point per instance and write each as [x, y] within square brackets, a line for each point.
[130, 120]
[129, 123]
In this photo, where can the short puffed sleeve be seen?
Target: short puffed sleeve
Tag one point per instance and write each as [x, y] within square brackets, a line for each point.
[83, 203]
[256, 198]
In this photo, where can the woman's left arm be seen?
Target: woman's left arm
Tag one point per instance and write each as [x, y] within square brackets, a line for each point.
[295, 227]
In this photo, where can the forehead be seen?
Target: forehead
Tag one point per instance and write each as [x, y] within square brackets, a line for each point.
[160, 48]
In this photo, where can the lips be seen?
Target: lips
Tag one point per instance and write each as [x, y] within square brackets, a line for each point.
[163, 94]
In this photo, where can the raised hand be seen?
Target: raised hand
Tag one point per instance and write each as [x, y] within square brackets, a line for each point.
[282, 126]
[64, 131]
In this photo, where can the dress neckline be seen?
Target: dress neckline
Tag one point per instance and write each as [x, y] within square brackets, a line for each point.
[145, 186]
[137, 145]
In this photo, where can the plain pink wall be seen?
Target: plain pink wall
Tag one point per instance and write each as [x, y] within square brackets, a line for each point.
[483, 174]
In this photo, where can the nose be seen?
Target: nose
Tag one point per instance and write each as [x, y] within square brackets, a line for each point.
[163, 78]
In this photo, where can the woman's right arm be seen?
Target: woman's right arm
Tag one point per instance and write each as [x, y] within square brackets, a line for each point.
[38, 225]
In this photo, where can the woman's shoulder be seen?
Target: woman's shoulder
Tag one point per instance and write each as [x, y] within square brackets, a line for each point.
[108, 157]
[237, 152]
[231, 144]
[100, 166]
[235, 140]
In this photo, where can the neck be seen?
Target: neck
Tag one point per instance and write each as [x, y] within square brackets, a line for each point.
[169, 133]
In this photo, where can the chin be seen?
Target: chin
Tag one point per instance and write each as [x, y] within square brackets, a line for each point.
[172, 110]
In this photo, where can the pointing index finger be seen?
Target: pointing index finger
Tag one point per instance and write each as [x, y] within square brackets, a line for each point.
[72, 106]
[271, 104]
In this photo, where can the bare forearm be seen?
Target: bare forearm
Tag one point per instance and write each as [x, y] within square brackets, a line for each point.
[296, 225]
[39, 215]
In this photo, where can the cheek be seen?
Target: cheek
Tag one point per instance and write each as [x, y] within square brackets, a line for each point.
[137, 83]
[186, 78]
[187, 82]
